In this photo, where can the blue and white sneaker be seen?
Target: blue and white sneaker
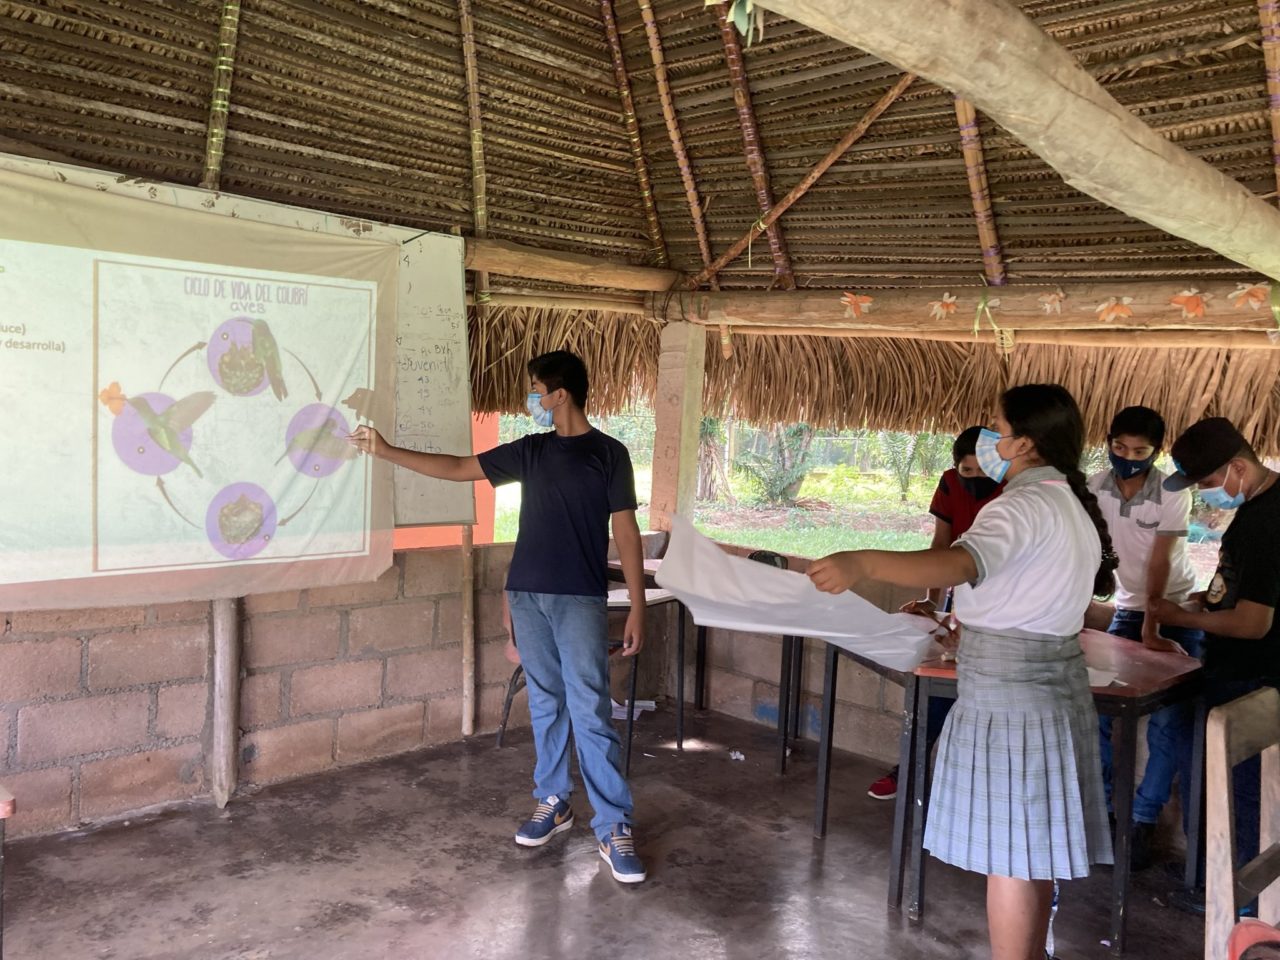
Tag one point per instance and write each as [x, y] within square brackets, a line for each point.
[552, 816]
[618, 850]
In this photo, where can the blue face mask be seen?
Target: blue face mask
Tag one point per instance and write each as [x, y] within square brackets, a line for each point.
[541, 415]
[1127, 469]
[989, 459]
[1219, 499]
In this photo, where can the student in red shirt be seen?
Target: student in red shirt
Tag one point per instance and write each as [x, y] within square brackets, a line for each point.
[962, 492]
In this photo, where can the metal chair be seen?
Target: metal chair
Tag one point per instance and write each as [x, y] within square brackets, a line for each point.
[618, 600]
[789, 673]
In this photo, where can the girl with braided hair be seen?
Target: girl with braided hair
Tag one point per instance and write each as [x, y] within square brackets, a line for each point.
[1017, 794]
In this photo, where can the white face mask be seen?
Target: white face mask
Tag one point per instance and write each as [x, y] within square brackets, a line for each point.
[541, 415]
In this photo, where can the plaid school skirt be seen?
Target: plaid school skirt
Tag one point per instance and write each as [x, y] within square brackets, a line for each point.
[1017, 790]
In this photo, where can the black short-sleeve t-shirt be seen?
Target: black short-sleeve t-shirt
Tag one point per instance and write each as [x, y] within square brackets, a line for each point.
[570, 486]
[1248, 569]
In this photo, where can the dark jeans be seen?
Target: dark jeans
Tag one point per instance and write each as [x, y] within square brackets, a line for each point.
[1169, 731]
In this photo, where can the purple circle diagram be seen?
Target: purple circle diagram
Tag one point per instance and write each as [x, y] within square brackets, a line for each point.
[134, 445]
[314, 432]
[232, 363]
[241, 520]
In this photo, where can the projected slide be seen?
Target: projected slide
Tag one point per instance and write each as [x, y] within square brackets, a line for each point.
[178, 415]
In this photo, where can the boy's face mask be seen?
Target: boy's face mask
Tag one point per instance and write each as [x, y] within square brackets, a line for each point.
[1219, 499]
[1127, 469]
[541, 415]
[979, 487]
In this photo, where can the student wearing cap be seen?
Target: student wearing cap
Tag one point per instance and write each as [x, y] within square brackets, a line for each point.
[1148, 526]
[1237, 612]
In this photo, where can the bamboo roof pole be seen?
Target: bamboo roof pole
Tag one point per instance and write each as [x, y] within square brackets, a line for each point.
[1269, 18]
[678, 149]
[991, 53]
[480, 227]
[975, 168]
[800, 189]
[224, 65]
[752, 152]
[633, 133]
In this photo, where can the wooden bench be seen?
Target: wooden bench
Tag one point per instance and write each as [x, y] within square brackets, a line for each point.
[1237, 731]
[7, 809]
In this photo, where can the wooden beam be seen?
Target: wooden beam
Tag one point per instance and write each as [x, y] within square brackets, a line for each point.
[1162, 339]
[751, 149]
[1269, 19]
[633, 132]
[677, 415]
[975, 168]
[1146, 305]
[810, 178]
[224, 63]
[992, 54]
[532, 263]
[550, 300]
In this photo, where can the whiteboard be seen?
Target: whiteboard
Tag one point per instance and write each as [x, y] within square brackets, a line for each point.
[433, 378]
[431, 314]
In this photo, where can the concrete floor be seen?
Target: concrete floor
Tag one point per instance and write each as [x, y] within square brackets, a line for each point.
[412, 858]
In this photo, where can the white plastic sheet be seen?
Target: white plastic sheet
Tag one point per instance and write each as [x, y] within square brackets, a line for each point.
[734, 593]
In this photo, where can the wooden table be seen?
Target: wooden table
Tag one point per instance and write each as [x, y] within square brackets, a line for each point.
[1148, 682]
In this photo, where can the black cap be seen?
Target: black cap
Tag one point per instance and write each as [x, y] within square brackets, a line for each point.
[1202, 450]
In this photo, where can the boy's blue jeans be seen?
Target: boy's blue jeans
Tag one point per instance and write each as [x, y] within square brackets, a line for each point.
[1169, 731]
[564, 647]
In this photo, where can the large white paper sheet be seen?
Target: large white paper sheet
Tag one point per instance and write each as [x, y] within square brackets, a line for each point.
[734, 593]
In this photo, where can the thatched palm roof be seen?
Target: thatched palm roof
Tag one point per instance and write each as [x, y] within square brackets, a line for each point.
[359, 108]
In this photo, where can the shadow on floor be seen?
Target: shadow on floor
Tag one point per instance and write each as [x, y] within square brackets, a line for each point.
[412, 857]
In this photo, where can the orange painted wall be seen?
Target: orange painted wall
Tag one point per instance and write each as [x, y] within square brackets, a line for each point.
[484, 435]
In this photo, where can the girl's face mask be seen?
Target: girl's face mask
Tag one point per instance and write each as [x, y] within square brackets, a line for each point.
[987, 450]
[541, 415]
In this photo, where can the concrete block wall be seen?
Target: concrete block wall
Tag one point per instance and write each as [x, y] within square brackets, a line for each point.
[104, 712]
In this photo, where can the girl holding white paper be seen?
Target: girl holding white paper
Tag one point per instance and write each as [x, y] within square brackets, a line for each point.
[1018, 791]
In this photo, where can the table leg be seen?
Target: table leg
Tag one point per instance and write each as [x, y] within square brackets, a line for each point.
[700, 669]
[1122, 776]
[919, 779]
[797, 685]
[631, 713]
[901, 806]
[784, 702]
[825, 728]
[1, 887]
[680, 677]
[1195, 816]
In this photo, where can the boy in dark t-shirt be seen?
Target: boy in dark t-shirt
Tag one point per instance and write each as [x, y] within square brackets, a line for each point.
[1237, 612]
[574, 481]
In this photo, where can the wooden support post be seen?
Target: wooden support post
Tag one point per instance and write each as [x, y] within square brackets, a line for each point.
[677, 414]
[993, 54]
[225, 740]
[468, 631]
[975, 168]
[224, 63]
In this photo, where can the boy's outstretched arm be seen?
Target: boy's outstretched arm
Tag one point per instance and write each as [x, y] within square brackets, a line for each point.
[442, 466]
[626, 533]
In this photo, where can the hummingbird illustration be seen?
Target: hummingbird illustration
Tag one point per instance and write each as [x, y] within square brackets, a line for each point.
[166, 428]
[266, 352]
[323, 441]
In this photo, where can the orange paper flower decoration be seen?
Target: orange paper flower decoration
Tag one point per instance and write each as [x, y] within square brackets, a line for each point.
[1052, 302]
[113, 398]
[941, 309]
[1192, 302]
[855, 304]
[1114, 308]
[1251, 295]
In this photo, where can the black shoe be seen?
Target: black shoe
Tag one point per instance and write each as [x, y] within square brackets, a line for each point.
[1140, 853]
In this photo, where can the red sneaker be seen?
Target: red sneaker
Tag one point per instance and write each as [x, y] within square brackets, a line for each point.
[886, 788]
